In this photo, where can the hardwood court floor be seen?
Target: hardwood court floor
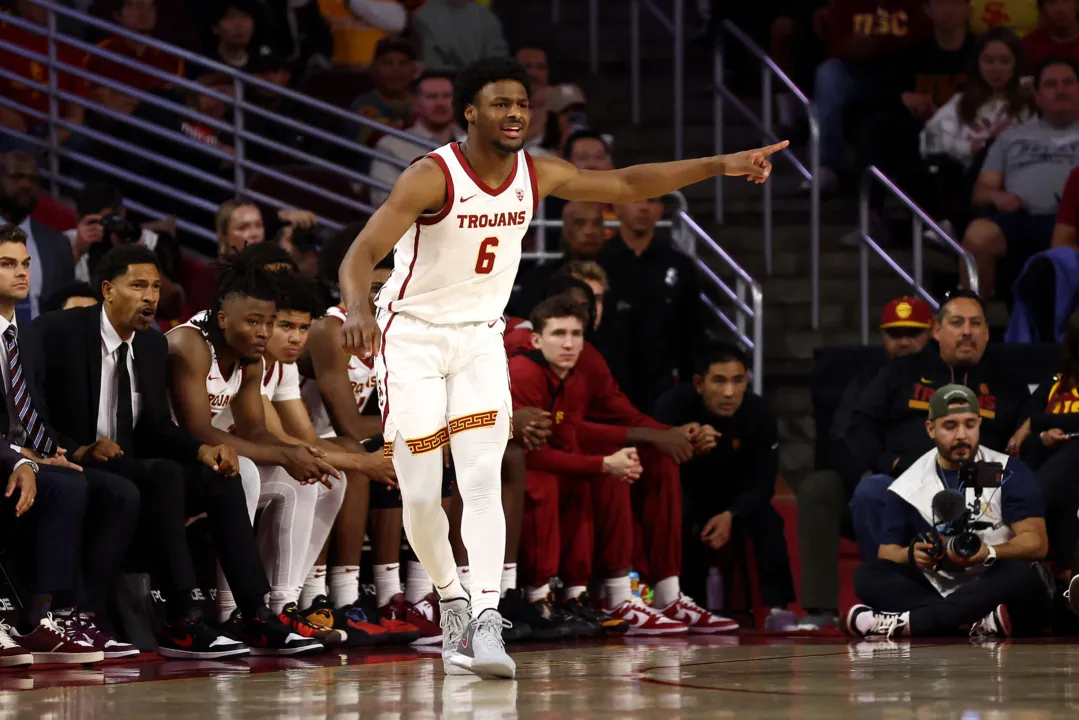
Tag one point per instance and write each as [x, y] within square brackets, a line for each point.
[748, 677]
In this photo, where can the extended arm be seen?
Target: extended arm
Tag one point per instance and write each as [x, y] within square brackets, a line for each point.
[641, 182]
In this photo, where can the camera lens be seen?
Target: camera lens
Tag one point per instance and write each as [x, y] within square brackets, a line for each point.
[965, 545]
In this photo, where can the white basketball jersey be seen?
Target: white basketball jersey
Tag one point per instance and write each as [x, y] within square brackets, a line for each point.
[280, 381]
[458, 265]
[361, 375]
[219, 390]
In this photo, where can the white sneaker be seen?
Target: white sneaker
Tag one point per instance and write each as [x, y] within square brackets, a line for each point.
[482, 650]
[455, 616]
[865, 622]
[646, 620]
[996, 624]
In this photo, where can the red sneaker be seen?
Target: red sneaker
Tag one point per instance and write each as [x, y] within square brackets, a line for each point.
[399, 618]
[696, 618]
[426, 616]
[12, 654]
[646, 620]
[49, 643]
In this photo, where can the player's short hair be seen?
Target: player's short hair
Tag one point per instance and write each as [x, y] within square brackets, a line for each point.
[586, 134]
[238, 276]
[225, 213]
[559, 306]
[1050, 62]
[265, 253]
[333, 252]
[588, 270]
[96, 196]
[562, 282]
[58, 299]
[116, 261]
[12, 233]
[299, 294]
[433, 75]
[479, 75]
[719, 351]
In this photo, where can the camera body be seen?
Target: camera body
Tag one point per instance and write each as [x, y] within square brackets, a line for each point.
[118, 226]
[954, 536]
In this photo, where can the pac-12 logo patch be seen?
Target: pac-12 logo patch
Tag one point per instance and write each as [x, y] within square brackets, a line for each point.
[520, 194]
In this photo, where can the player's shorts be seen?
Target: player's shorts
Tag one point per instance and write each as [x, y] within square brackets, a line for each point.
[436, 380]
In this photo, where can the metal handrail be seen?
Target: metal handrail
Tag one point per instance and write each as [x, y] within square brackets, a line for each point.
[676, 26]
[871, 174]
[764, 123]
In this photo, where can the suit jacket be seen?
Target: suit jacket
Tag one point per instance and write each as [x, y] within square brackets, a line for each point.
[8, 458]
[55, 261]
[62, 359]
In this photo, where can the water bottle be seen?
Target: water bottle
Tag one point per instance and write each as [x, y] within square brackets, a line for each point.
[714, 593]
[635, 583]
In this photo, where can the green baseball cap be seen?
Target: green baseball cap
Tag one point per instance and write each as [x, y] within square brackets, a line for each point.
[952, 400]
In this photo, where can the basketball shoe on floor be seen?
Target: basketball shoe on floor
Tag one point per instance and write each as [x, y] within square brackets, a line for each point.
[581, 608]
[358, 631]
[996, 624]
[266, 634]
[455, 615]
[481, 649]
[544, 621]
[49, 643]
[402, 611]
[560, 618]
[191, 639]
[80, 623]
[644, 619]
[696, 618]
[864, 621]
[398, 632]
[291, 616]
[12, 654]
[425, 616]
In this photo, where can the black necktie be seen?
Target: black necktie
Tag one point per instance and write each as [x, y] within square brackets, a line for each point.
[37, 437]
[125, 423]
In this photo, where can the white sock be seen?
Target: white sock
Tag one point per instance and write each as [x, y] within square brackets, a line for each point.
[509, 577]
[454, 589]
[535, 594]
[618, 590]
[226, 603]
[417, 582]
[280, 598]
[313, 586]
[574, 591]
[666, 592]
[464, 575]
[344, 585]
[387, 582]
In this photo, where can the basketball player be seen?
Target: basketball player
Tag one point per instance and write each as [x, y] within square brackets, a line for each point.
[455, 220]
[214, 366]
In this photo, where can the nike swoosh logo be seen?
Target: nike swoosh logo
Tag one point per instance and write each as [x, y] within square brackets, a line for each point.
[466, 199]
[485, 592]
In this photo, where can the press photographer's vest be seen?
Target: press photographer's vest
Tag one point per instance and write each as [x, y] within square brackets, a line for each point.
[922, 481]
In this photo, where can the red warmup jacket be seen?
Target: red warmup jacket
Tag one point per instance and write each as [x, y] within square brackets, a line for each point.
[605, 405]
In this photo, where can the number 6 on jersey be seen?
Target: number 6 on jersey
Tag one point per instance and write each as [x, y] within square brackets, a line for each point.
[485, 261]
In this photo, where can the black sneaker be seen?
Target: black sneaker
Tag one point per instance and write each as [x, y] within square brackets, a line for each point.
[512, 606]
[192, 639]
[265, 634]
[599, 622]
[547, 621]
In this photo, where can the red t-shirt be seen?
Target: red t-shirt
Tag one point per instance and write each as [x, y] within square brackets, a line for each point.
[150, 57]
[35, 71]
[1068, 210]
[1040, 46]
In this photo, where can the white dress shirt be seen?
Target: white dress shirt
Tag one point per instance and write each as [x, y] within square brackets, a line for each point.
[106, 404]
[36, 275]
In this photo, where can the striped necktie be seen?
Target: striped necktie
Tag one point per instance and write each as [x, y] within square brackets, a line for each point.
[37, 437]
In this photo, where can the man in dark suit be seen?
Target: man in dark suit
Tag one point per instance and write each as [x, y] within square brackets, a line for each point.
[103, 371]
[50, 252]
[109, 504]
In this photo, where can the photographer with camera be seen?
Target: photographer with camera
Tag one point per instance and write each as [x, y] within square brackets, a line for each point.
[963, 531]
[103, 223]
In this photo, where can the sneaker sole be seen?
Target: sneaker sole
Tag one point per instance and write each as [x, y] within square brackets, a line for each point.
[17, 660]
[177, 654]
[62, 658]
[658, 631]
[457, 669]
[713, 630]
[286, 652]
[430, 640]
[494, 669]
[117, 654]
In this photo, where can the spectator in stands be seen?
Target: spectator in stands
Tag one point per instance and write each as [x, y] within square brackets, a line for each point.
[1023, 176]
[303, 245]
[62, 489]
[885, 433]
[390, 102]
[728, 486]
[823, 496]
[908, 591]
[1058, 35]
[297, 32]
[568, 114]
[582, 235]
[100, 206]
[138, 16]
[233, 26]
[433, 108]
[358, 25]
[76, 294]
[31, 97]
[1019, 16]
[103, 373]
[653, 285]
[864, 36]
[50, 252]
[240, 223]
[456, 33]
[797, 46]
[534, 59]
[588, 150]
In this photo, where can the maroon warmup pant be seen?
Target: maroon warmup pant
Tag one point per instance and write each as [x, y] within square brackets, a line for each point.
[557, 536]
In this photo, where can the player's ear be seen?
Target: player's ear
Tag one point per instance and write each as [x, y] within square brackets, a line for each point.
[470, 113]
